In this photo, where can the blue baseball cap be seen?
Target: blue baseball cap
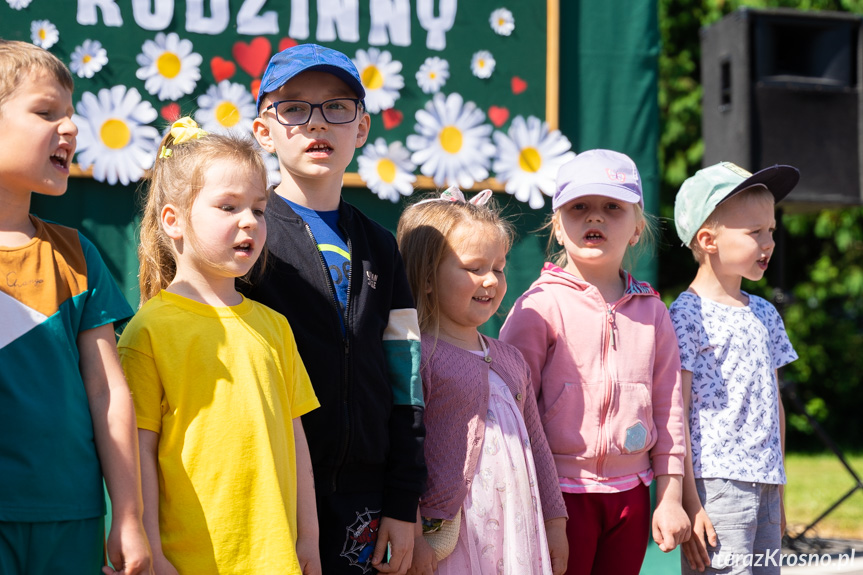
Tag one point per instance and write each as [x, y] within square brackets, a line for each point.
[298, 59]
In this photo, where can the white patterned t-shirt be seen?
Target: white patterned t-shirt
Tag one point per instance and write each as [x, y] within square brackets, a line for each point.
[733, 353]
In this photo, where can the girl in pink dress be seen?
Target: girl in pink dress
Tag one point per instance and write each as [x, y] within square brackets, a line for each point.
[490, 468]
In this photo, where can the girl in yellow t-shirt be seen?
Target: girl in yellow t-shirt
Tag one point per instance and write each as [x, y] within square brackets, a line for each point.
[217, 381]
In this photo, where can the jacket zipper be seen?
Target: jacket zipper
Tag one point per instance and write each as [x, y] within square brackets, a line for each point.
[608, 343]
[334, 299]
[340, 461]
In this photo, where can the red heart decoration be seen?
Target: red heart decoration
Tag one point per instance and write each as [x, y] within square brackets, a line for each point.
[256, 86]
[286, 43]
[253, 57]
[171, 112]
[518, 85]
[222, 69]
[498, 116]
[392, 118]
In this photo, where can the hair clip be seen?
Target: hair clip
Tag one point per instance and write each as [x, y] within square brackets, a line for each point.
[166, 152]
[186, 129]
[454, 194]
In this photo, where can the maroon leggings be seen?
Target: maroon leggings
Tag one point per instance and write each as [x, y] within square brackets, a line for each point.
[607, 532]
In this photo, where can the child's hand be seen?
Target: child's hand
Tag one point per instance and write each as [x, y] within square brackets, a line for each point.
[163, 567]
[424, 561]
[400, 537]
[558, 545]
[782, 523]
[309, 556]
[695, 550]
[671, 526]
[128, 548]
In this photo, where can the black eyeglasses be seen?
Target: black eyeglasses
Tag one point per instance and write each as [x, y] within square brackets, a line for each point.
[299, 112]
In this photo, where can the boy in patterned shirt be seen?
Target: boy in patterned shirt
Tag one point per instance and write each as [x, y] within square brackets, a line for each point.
[731, 344]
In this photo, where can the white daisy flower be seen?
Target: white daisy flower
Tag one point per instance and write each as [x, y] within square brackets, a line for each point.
[168, 66]
[502, 22]
[381, 78]
[387, 170]
[482, 64]
[528, 158]
[113, 135]
[226, 107]
[88, 58]
[452, 144]
[43, 33]
[433, 74]
[18, 4]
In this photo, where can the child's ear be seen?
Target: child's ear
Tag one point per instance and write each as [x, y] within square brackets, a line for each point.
[429, 282]
[706, 239]
[363, 129]
[639, 227]
[557, 230]
[171, 222]
[262, 135]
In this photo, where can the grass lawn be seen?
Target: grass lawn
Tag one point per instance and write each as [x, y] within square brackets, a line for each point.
[815, 482]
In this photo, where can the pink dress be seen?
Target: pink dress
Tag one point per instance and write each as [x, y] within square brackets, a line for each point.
[502, 529]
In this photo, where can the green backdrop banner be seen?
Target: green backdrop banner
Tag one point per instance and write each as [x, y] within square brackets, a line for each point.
[472, 66]
[607, 93]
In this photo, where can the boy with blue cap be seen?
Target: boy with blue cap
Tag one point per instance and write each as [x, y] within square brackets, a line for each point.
[731, 344]
[339, 279]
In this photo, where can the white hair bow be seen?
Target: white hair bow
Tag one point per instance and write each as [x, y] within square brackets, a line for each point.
[454, 194]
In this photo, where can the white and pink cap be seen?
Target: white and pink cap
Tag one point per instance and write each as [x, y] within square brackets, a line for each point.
[598, 173]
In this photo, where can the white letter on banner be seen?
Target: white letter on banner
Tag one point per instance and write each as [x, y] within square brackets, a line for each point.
[436, 27]
[215, 24]
[299, 28]
[344, 14]
[156, 19]
[392, 15]
[250, 20]
[110, 12]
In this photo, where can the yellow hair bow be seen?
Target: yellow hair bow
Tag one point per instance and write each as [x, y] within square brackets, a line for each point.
[186, 129]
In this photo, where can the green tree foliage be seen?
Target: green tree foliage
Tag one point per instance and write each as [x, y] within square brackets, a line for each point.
[823, 251]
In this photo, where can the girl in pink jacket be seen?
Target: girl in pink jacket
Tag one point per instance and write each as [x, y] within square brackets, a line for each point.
[492, 485]
[606, 372]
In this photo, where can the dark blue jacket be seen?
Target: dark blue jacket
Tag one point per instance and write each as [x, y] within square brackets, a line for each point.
[368, 434]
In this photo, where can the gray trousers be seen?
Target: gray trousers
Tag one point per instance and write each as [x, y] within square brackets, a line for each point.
[746, 517]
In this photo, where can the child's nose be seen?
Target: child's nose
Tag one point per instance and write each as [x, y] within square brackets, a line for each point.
[248, 219]
[316, 120]
[594, 215]
[68, 127]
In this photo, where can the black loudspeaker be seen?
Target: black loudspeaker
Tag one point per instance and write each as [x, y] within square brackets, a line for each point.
[783, 87]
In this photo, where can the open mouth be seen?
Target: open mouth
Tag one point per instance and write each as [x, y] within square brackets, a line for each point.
[245, 247]
[483, 298]
[593, 236]
[320, 147]
[762, 263]
[61, 158]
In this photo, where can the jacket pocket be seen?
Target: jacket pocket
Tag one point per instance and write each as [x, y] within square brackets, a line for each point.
[631, 421]
[572, 421]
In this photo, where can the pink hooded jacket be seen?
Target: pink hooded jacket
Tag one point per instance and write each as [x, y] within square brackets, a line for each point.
[606, 377]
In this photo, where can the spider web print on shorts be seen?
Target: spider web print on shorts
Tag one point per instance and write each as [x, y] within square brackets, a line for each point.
[361, 538]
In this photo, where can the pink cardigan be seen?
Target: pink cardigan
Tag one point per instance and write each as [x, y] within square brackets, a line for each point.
[607, 378]
[456, 391]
